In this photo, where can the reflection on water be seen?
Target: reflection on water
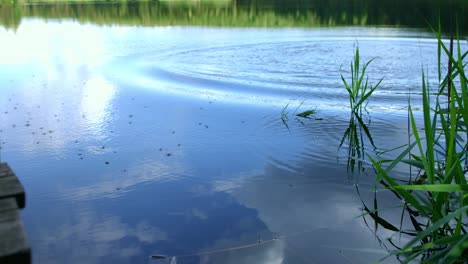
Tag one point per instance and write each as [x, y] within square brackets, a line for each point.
[307, 210]
[356, 140]
[242, 13]
[98, 95]
[305, 65]
[118, 170]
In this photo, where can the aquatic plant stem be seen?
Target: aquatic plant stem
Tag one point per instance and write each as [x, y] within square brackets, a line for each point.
[437, 200]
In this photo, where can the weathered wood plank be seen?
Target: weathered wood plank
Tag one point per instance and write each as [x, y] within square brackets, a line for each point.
[7, 205]
[4, 170]
[10, 186]
[14, 247]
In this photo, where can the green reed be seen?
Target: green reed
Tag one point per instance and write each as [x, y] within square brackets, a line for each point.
[286, 112]
[437, 200]
[359, 89]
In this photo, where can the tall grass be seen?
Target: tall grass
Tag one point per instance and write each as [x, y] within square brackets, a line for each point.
[437, 200]
[359, 89]
[357, 134]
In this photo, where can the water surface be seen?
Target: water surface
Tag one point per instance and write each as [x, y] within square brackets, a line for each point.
[136, 141]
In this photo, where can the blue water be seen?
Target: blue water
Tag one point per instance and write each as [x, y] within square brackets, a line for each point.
[136, 141]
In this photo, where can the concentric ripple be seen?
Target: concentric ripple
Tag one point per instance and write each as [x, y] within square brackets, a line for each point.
[276, 72]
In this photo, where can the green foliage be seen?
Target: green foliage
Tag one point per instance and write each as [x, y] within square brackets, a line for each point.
[286, 113]
[359, 89]
[307, 113]
[240, 13]
[437, 201]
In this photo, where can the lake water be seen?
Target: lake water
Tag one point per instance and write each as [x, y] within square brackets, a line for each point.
[141, 141]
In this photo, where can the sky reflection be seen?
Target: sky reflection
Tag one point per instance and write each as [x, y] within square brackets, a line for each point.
[96, 104]
[68, 45]
[314, 210]
[121, 162]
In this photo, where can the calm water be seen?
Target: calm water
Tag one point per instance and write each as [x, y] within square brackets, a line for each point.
[135, 141]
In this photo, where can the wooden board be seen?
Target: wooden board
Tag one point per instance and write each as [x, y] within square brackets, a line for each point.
[10, 186]
[4, 169]
[14, 247]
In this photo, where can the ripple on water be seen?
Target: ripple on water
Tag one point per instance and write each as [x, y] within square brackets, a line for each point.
[273, 73]
[317, 141]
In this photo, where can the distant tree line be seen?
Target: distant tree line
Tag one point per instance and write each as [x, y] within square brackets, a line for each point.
[243, 13]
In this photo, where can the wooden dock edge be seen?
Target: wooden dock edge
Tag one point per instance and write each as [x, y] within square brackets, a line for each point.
[14, 247]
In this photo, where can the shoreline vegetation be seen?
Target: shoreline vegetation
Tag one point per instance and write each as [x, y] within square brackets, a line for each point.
[434, 192]
[240, 13]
